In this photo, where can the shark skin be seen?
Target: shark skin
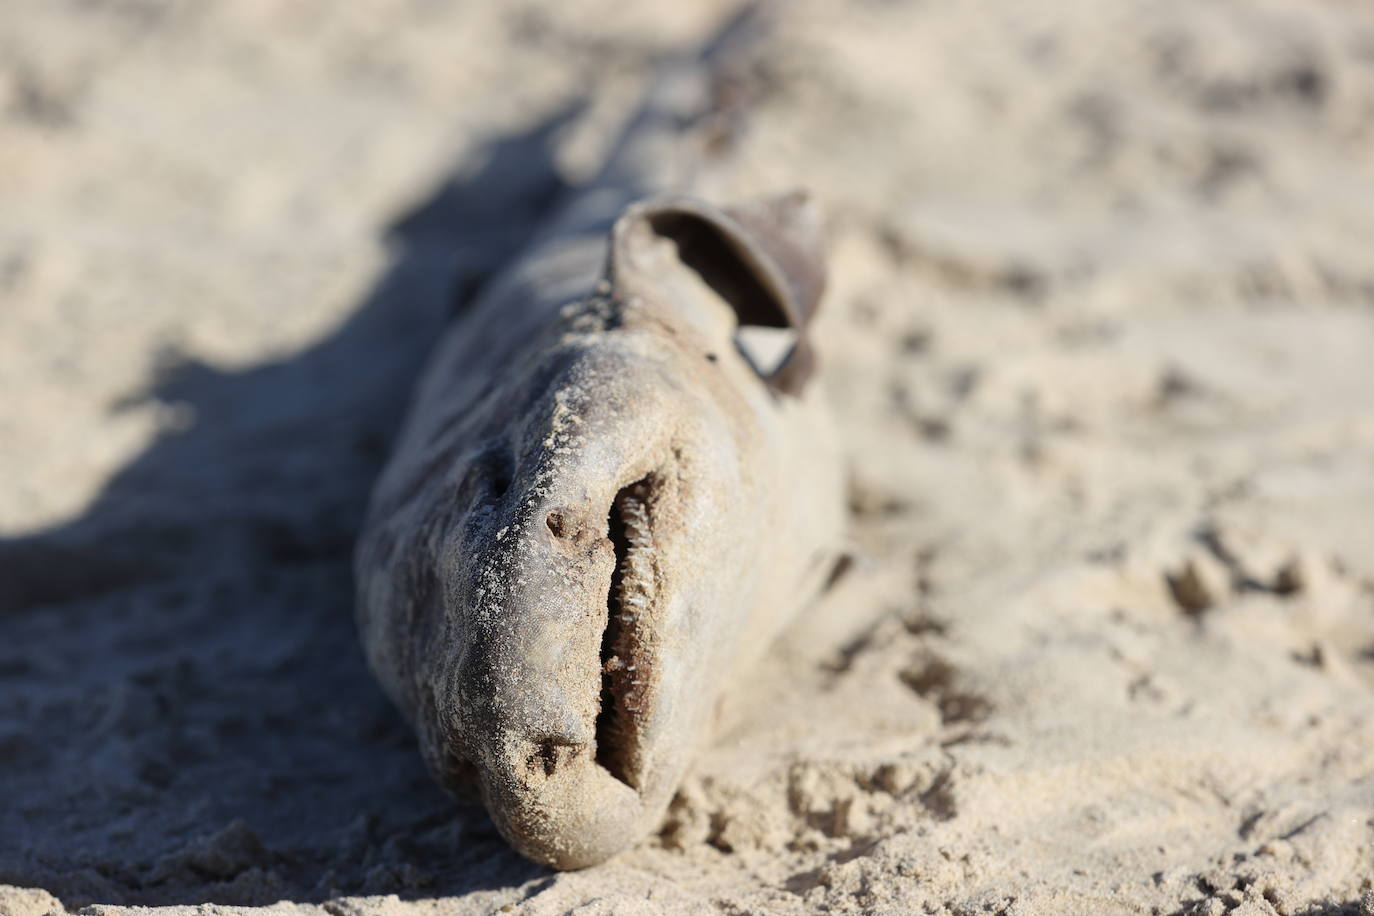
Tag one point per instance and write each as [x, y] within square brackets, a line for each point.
[603, 505]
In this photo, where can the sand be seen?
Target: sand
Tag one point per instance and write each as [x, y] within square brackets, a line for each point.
[1099, 336]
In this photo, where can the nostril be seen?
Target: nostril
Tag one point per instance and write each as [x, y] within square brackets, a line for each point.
[558, 524]
[548, 754]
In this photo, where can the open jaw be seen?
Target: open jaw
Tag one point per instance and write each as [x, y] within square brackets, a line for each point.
[628, 643]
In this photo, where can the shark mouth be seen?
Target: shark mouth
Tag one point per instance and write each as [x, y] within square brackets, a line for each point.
[626, 645]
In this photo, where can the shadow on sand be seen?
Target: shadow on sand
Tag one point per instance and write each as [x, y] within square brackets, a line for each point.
[186, 713]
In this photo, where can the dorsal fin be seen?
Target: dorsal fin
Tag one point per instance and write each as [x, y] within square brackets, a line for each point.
[763, 259]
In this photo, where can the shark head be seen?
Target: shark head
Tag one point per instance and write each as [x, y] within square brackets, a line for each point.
[627, 511]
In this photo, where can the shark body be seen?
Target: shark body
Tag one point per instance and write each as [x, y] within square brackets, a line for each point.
[603, 505]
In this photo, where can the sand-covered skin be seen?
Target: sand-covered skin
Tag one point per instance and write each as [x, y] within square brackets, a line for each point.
[1099, 333]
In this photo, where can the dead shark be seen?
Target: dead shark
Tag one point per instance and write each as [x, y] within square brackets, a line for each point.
[607, 499]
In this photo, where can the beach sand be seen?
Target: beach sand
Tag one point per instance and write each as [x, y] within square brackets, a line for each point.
[1100, 337]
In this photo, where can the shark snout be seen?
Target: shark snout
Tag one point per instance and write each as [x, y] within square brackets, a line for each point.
[575, 684]
[559, 687]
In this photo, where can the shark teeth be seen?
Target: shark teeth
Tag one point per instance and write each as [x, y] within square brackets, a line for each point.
[626, 662]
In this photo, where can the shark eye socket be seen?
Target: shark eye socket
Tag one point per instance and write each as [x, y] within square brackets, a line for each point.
[498, 478]
[488, 476]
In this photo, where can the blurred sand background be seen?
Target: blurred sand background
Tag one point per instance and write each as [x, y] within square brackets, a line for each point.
[1100, 335]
